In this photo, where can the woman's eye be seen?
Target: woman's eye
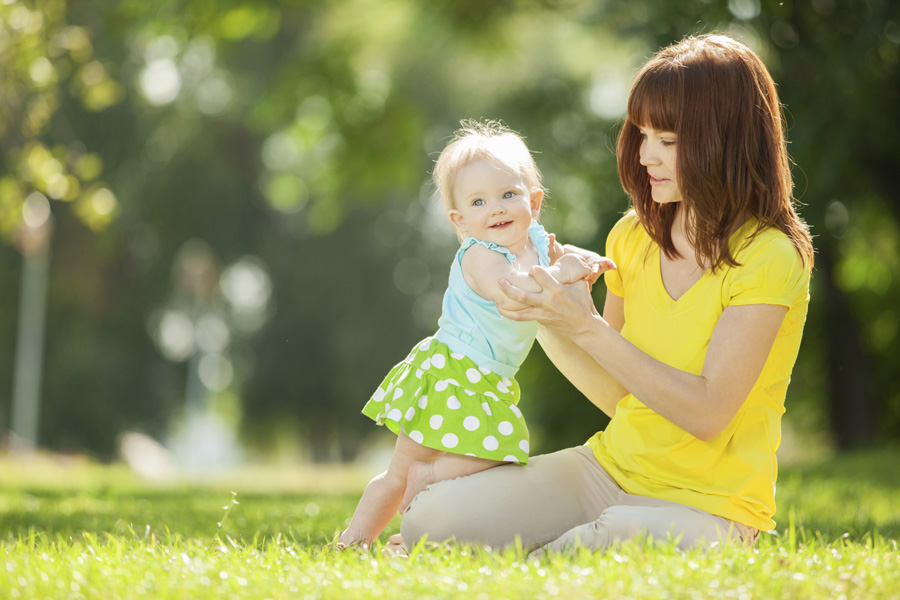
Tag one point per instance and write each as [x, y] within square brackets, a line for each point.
[668, 143]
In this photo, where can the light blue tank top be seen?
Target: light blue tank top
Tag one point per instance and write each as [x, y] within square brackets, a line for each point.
[471, 325]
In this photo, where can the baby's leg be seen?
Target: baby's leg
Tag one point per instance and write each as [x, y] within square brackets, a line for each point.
[449, 466]
[381, 499]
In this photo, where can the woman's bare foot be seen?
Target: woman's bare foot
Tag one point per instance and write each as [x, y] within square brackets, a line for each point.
[420, 476]
[395, 547]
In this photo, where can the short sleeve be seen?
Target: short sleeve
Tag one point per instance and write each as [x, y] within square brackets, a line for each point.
[617, 249]
[771, 272]
[471, 241]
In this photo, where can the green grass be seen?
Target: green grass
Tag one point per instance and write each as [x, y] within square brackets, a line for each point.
[72, 529]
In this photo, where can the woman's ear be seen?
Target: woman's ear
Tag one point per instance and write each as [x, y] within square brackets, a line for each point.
[536, 199]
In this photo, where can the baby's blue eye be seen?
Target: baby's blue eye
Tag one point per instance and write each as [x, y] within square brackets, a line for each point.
[478, 202]
[508, 195]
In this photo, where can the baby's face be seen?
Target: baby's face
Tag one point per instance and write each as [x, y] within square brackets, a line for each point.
[493, 203]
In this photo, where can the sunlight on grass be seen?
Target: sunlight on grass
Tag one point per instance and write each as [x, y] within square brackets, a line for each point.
[80, 530]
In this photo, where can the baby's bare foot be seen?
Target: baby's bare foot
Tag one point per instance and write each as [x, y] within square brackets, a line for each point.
[421, 475]
[348, 538]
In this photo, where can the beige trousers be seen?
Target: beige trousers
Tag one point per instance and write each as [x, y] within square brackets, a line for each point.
[557, 502]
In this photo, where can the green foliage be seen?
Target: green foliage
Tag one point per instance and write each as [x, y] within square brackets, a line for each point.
[81, 530]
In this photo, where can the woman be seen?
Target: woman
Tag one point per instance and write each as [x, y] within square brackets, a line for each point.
[699, 334]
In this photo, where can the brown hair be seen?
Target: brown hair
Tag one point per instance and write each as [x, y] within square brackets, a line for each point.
[483, 140]
[719, 99]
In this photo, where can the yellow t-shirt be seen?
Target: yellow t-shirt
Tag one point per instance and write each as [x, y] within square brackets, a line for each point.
[734, 474]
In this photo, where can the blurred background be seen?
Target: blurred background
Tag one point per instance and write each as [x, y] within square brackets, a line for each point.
[217, 226]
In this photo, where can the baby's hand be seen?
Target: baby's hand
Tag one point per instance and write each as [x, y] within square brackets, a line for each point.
[572, 267]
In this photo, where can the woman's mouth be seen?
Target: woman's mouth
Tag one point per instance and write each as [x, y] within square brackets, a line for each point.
[656, 181]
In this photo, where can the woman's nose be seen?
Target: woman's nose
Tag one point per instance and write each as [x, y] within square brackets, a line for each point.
[646, 155]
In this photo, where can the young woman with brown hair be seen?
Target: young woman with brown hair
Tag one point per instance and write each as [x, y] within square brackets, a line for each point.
[700, 330]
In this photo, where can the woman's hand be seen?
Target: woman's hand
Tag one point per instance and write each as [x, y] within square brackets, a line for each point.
[565, 307]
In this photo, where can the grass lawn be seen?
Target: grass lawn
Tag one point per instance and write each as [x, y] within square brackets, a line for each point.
[72, 529]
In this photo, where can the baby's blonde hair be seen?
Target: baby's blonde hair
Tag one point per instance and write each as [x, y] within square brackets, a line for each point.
[483, 140]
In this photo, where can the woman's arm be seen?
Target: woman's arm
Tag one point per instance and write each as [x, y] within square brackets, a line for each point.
[580, 368]
[702, 405]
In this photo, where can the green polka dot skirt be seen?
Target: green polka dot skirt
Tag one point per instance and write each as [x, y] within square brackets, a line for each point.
[443, 400]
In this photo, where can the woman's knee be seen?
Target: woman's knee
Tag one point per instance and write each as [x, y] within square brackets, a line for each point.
[428, 515]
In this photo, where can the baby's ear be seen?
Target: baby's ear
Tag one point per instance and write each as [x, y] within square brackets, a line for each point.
[537, 197]
[457, 219]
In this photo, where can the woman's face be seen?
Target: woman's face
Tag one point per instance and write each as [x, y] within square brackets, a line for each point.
[658, 155]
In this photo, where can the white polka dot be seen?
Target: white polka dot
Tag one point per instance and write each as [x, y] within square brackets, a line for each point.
[450, 440]
[453, 382]
[419, 373]
[469, 454]
[505, 428]
[492, 395]
[394, 415]
[423, 401]
[515, 410]
[506, 381]
[436, 421]
[486, 408]
[378, 396]
[397, 393]
[410, 413]
[441, 385]
[469, 392]
[457, 355]
[484, 370]
[490, 443]
[473, 375]
[510, 458]
[471, 423]
[438, 361]
[502, 388]
[416, 436]
[524, 445]
[425, 345]
[426, 364]
[453, 403]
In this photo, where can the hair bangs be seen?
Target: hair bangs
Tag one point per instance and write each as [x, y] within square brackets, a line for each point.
[656, 98]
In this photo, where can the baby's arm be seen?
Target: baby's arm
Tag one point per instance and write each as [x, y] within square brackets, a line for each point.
[483, 269]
